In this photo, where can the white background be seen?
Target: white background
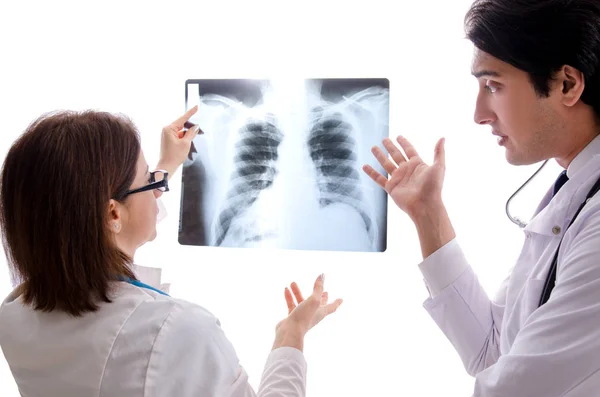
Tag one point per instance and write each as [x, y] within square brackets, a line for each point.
[134, 58]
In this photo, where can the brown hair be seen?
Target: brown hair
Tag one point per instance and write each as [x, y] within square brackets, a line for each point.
[55, 187]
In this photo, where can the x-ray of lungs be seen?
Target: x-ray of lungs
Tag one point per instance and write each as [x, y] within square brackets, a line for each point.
[280, 165]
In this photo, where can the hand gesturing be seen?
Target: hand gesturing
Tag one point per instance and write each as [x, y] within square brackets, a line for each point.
[309, 312]
[412, 183]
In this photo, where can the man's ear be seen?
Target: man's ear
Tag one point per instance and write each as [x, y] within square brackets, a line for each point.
[115, 216]
[572, 84]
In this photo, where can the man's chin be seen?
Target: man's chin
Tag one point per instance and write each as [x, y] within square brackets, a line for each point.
[520, 160]
[513, 158]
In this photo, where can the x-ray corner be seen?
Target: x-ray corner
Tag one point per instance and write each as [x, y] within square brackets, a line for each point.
[280, 164]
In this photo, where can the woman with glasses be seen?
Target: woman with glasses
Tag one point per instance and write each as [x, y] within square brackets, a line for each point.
[77, 198]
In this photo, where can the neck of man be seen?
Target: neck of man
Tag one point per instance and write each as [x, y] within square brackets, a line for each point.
[578, 134]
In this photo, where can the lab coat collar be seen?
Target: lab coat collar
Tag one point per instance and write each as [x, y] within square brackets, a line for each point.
[151, 276]
[553, 214]
[14, 294]
[141, 285]
[583, 157]
[550, 220]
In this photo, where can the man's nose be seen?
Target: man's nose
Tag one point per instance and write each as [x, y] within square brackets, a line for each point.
[483, 113]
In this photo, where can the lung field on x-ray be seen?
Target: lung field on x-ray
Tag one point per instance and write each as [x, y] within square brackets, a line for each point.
[256, 154]
[333, 149]
[280, 165]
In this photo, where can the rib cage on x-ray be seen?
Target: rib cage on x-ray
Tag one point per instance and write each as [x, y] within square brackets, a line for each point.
[255, 169]
[332, 145]
[286, 167]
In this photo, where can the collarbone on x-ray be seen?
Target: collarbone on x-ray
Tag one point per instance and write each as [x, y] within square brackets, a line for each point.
[285, 170]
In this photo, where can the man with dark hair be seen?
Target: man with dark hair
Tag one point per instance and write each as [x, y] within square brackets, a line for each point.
[537, 65]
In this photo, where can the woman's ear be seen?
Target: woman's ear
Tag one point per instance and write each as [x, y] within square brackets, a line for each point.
[572, 84]
[115, 216]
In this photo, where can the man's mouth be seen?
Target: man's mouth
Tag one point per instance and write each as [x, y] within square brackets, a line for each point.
[501, 137]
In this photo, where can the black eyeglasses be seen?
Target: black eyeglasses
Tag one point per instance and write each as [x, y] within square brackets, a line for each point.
[158, 180]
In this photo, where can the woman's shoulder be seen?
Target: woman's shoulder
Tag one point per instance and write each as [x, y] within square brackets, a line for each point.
[156, 293]
[189, 329]
[171, 312]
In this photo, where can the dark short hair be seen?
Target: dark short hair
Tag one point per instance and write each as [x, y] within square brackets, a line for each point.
[55, 186]
[539, 37]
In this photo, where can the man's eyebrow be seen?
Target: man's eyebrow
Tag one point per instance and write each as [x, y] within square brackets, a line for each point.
[482, 73]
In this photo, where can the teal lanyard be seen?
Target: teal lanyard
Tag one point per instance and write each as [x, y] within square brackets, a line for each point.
[141, 285]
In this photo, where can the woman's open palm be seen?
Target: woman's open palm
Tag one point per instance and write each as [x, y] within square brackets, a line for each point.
[306, 313]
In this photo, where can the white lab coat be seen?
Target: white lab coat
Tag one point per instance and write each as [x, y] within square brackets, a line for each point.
[512, 347]
[144, 344]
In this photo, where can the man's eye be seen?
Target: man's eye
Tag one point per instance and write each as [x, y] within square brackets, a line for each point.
[491, 87]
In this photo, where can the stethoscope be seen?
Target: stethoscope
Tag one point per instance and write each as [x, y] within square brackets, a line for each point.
[551, 277]
[516, 220]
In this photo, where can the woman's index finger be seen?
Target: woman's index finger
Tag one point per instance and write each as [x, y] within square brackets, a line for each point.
[179, 123]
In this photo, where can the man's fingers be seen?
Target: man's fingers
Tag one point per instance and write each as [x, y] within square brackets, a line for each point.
[409, 149]
[289, 300]
[375, 176]
[297, 293]
[394, 151]
[383, 159]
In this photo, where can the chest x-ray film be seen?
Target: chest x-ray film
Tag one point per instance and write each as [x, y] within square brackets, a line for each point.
[280, 165]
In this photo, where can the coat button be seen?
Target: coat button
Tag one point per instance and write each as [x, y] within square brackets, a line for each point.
[556, 229]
